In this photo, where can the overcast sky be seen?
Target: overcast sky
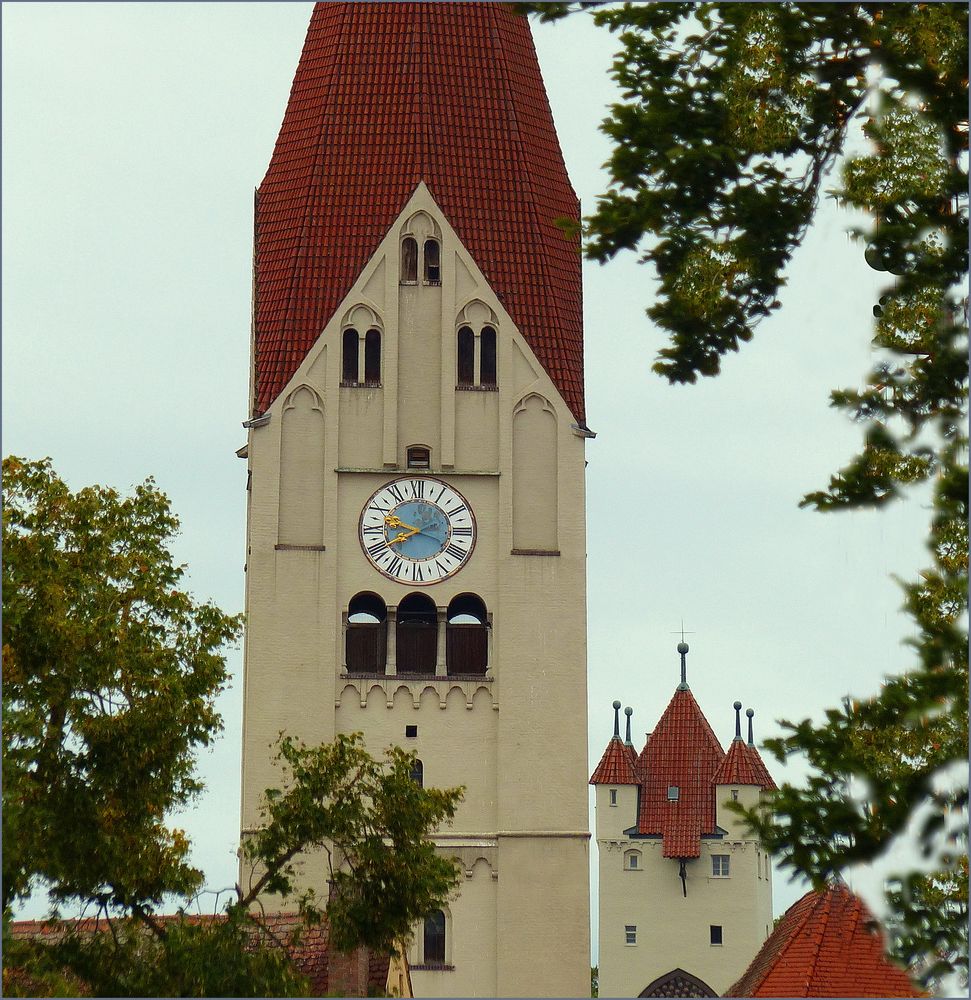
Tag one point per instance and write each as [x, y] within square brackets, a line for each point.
[134, 135]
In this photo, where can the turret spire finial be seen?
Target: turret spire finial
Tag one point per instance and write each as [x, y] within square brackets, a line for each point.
[738, 720]
[628, 712]
[750, 712]
[617, 720]
[683, 650]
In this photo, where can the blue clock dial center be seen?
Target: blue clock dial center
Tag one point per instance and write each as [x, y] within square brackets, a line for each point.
[422, 528]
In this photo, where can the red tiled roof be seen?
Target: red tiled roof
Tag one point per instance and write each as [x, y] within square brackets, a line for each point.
[825, 945]
[684, 752]
[743, 766]
[390, 94]
[616, 766]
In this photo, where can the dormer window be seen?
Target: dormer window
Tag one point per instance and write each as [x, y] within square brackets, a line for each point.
[674, 793]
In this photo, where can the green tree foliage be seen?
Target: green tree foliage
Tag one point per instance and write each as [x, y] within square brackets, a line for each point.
[110, 674]
[731, 120]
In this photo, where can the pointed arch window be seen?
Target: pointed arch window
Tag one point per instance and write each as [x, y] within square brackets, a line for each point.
[409, 261]
[418, 774]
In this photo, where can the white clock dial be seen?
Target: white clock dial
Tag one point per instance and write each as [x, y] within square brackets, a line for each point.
[417, 530]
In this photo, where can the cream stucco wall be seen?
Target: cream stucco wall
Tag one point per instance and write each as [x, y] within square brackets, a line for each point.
[673, 928]
[515, 738]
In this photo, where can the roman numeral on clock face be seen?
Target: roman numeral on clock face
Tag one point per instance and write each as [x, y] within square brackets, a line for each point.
[454, 551]
[377, 548]
[462, 532]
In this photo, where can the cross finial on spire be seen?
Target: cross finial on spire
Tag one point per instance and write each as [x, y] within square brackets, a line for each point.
[683, 650]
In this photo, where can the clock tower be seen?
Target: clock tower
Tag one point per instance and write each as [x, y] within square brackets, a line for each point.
[415, 529]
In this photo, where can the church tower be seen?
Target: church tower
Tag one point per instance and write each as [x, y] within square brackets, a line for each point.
[685, 889]
[415, 533]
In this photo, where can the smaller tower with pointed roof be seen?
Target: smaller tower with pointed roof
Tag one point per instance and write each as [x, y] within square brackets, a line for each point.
[685, 889]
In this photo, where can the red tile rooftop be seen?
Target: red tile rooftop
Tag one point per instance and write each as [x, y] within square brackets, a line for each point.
[387, 95]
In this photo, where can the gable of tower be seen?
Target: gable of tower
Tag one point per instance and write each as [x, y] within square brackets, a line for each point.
[398, 110]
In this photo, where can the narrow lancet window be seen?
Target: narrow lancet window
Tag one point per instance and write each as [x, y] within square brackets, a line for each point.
[487, 356]
[372, 357]
[466, 351]
[433, 271]
[409, 261]
[349, 361]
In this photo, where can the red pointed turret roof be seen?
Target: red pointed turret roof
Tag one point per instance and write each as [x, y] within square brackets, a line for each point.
[825, 945]
[387, 95]
[683, 752]
[616, 766]
[743, 766]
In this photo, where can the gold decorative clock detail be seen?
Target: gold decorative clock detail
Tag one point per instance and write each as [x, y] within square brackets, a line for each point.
[417, 530]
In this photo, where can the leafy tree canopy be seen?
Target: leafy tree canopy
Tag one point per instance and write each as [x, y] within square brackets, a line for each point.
[110, 674]
[731, 119]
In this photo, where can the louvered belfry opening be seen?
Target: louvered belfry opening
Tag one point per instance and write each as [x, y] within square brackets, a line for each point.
[416, 638]
[467, 636]
[367, 635]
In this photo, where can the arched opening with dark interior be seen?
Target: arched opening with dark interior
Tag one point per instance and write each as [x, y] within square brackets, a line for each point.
[466, 359]
[487, 356]
[434, 939]
[417, 635]
[349, 362]
[678, 983]
[467, 636]
[418, 773]
[409, 261]
[372, 357]
[367, 635]
[433, 270]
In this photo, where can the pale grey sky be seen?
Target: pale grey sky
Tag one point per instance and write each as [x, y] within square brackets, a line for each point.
[134, 135]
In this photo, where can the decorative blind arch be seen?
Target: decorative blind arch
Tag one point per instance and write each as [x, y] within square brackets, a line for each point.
[678, 983]
[301, 504]
[535, 469]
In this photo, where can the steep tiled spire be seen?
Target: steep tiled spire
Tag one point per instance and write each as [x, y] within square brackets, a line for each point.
[616, 766]
[682, 753]
[387, 95]
[825, 945]
[742, 764]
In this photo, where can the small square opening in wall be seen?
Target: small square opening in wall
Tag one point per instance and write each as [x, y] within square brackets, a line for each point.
[715, 932]
[419, 457]
[411, 731]
[673, 793]
[630, 933]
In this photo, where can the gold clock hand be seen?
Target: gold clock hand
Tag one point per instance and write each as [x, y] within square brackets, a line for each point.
[392, 521]
[404, 535]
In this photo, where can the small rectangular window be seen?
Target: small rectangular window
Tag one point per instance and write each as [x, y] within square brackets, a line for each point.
[419, 458]
[411, 731]
[630, 933]
[673, 793]
[632, 862]
[613, 796]
[715, 931]
[719, 865]
[734, 795]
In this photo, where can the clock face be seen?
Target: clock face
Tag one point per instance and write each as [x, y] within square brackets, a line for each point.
[417, 530]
